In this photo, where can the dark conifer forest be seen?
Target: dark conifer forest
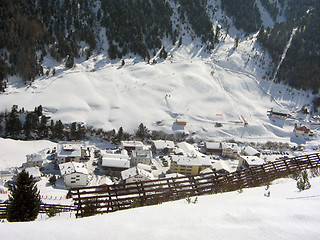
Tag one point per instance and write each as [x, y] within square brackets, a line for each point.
[33, 29]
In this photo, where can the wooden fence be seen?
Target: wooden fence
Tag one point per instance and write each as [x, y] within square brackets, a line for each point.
[44, 208]
[111, 198]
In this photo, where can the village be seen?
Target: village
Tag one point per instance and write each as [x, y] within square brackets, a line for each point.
[79, 164]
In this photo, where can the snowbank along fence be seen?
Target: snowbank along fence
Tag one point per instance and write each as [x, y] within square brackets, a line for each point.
[44, 208]
[111, 198]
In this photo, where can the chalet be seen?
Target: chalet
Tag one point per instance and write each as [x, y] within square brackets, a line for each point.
[34, 172]
[35, 160]
[74, 174]
[250, 151]
[249, 161]
[131, 145]
[141, 156]
[136, 174]
[213, 147]
[164, 146]
[115, 162]
[189, 165]
[230, 150]
[72, 152]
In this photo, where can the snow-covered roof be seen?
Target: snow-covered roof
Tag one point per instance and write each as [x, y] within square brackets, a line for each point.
[144, 167]
[207, 170]
[253, 160]
[248, 150]
[213, 145]
[221, 165]
[162, 144]
[34, 172]
[131, 144]
[115, 160]
[174, 175]
[72, 167]
[191, 160]
[69, 150]
[135, 171]
[141, 154]
[233, 146]
[36, 157]
[105, 181]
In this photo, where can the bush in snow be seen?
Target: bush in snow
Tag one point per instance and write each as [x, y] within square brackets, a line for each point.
[303, 181]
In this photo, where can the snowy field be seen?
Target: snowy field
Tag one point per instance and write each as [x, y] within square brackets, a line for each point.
[286, 214]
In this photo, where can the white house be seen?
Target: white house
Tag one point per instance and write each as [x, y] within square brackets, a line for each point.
[115, 161]
[162, 146]
[249, 161]
[72, 152]
[141, 156]
[74, 174]
[35, 160]
[136, 174]
[230, 150]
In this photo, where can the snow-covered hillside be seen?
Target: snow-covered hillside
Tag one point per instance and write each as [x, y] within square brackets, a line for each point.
[201, 88]
[226, 86]
[285, 214]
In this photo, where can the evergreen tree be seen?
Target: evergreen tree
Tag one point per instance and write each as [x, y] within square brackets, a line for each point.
[24, 200]
[13, 123]
[142, 132]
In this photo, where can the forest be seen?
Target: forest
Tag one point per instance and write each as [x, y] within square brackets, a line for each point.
[69, 29]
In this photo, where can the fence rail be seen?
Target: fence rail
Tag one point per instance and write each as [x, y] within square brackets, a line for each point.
[44, 208]
[111, 198]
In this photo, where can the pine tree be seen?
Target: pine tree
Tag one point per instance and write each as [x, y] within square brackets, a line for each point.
[24, 200]
[142, 132]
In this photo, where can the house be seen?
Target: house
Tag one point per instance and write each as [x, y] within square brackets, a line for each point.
[230, 150]
[131, 145]
[34, 172]
[72, 152]
[74, 174]
[250, 151]
[35, 160]
[164, 146]
[189, 164]
[213, 147]
[136, 174]
[115, 161]
[141, 156]
[249, 161]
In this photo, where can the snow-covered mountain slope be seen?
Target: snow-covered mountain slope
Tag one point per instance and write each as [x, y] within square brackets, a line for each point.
[225, 86]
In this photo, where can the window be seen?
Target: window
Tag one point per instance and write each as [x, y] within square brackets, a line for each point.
[73, 181]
